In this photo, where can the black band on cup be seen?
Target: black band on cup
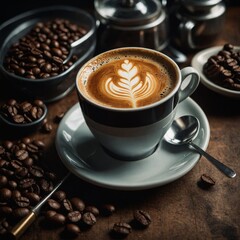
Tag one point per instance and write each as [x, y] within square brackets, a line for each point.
[125, 119]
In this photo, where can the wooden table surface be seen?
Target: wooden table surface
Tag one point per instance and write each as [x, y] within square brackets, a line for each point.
[179, 210]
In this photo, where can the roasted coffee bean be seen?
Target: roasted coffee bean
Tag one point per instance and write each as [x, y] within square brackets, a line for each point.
[59, 117]
[122, 228]
[59, 195]
[107, 209]
[57, 219]
[22, 201]
[20, 212]
[26, 183]
[142, 218]
[12, 184]
[3, 181]
[16, 194]
[5, 194]
[74, 216]
[94, 210]
[53, 204]
[89, 219]
[5, 210]
[78, 204]
[33, 197]
[67, 205]
[3, 226]
[36, 171]
[21, 172]
[47, 127]
[72, 229]
[46, 186]
[50, 176]
[21, 154]
[206, 182]
[50, 213]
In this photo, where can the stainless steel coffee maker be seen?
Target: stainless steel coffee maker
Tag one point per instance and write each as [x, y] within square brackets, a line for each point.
[131, 23]
[139, 23]
[196, 24]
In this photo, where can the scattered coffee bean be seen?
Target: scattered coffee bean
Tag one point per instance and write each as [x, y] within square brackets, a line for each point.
[89, 219]
[94, 210]
[59, 195]
[142, 218]
[74, 216]
[56, 219]
[59, 117]
[122, 228]
[53, 204]
[67, 205]
[78, 203]
[108, 209]
[206, 182]
[72, 229]
[47, 127]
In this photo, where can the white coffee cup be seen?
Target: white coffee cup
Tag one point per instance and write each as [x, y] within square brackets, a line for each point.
[132, 133]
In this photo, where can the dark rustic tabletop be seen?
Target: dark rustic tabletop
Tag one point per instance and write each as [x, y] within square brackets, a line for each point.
[180, 209]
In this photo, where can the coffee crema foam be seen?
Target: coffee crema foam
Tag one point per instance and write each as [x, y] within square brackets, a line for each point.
[126, 82]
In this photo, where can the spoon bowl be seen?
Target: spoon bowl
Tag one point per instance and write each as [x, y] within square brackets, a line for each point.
[183, 131]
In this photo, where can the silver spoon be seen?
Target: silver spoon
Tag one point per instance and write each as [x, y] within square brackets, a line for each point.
[185, 129]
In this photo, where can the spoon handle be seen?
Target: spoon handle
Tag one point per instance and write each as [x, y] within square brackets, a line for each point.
[223, 168]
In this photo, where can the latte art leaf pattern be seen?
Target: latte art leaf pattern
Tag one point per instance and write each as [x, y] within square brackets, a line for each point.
[130, 85]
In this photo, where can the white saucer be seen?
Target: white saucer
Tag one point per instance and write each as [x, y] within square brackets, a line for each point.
[199, 60]
[85, 158]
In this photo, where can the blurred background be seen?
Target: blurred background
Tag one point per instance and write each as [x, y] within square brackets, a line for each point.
[13, 7]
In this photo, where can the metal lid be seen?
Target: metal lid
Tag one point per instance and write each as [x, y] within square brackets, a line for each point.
[127, 13]
[201, 3]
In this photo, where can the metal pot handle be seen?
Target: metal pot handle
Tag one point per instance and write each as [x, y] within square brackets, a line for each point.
[185, 29]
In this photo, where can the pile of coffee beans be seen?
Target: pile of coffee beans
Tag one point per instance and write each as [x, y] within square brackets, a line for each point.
[41, 53]
[73, 213]
[21, 112]
[224, 68]
[23, 181]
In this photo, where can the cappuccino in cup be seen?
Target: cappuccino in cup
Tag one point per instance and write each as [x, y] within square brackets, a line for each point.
[127, 79]
[129, 97]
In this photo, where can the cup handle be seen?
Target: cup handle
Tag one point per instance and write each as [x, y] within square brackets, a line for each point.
[190, 81]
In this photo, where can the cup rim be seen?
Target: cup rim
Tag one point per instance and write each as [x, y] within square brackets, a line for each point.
[152, 105]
